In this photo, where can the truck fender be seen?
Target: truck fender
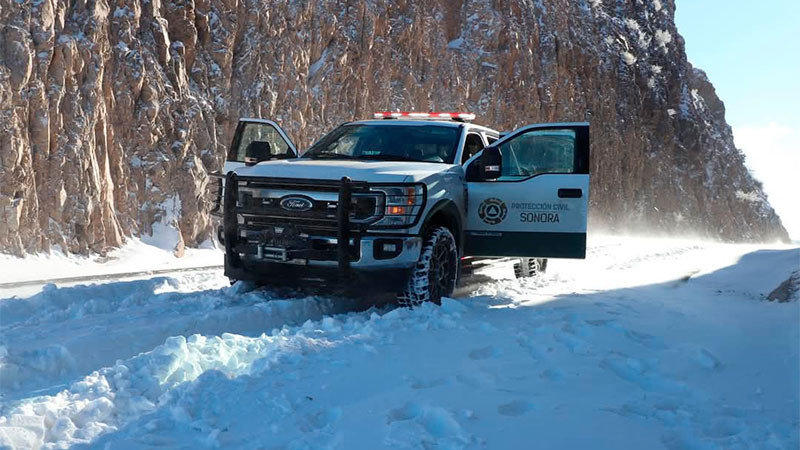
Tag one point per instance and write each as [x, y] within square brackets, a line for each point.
[445, 212]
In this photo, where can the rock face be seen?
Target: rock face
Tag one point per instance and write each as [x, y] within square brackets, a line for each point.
[112, 112]
[787, 291]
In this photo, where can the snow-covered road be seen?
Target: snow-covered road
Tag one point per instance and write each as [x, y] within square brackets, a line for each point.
[623, 350]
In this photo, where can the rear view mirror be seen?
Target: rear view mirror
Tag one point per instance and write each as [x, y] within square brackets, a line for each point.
[491, 163]
[256, 152]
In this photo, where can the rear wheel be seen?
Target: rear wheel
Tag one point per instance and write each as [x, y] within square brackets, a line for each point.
[529, 267]
[434, 276]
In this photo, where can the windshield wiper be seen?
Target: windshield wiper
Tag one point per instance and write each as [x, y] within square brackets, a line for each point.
[331, 155]
[382, 157]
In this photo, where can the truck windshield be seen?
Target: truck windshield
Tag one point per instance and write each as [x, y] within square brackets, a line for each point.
[424, 143]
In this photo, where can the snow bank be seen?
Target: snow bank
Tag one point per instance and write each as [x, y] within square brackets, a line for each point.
[156, 381]
[53, 337]
[152, 253]
[649, 343]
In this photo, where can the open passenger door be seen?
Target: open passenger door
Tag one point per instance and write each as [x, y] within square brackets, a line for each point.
[528, 194]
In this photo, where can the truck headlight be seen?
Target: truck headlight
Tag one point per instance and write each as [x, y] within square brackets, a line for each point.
[403, 204]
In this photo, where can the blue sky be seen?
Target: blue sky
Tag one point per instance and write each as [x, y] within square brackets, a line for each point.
[751, 53]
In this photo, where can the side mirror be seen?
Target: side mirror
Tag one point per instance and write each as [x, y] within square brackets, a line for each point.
[491, 163]
[256, 152]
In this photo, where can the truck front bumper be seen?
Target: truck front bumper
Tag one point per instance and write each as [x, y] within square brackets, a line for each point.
[374, 267]
[373, 253]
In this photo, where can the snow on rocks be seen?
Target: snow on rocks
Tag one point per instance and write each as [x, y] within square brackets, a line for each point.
[787, 291]
[621, 351]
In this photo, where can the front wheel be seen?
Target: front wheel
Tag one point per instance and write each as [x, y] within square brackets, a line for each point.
[434, 276]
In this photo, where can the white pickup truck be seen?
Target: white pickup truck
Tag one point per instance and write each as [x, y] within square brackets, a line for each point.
[401, 201]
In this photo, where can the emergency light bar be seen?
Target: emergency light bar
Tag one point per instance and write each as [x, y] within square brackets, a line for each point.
[461, 116]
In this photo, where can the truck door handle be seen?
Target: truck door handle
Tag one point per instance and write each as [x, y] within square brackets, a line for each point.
[570, 193]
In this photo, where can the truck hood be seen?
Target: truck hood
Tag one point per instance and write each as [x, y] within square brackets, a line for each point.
[372, 171]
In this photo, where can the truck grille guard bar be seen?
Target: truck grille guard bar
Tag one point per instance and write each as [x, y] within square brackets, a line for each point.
[343, 227]
[227, 194]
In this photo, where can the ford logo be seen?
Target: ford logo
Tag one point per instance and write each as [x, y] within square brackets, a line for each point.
[296, 204]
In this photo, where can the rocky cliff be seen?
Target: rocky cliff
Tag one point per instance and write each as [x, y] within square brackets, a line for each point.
[112, 112]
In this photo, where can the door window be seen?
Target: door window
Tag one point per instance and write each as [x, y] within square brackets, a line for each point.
[538, 151]
[258, 138]
[473, 144]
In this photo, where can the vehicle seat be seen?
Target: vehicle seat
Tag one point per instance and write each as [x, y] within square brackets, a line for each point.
[472, 146]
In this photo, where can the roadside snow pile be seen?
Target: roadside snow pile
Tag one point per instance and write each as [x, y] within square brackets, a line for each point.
[110, 397]
[155, 382]
[60, 334]
[647, 344]
[136, 255]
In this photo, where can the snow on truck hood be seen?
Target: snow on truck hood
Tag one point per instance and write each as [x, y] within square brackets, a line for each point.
[372, 171]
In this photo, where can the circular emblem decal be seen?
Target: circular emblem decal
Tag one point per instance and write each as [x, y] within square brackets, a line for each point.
[492, 211]
[296, 204]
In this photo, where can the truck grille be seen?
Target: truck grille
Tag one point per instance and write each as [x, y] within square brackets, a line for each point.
[363, 208]
[301, 220]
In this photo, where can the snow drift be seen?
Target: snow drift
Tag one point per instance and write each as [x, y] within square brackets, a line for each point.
[647, 344]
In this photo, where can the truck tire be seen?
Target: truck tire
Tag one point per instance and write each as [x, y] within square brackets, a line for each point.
[529, 267]
[434, 276]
